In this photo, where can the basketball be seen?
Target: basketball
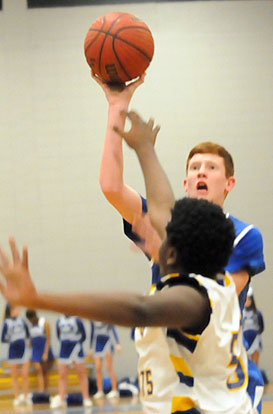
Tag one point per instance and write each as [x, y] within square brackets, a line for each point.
[118, 47]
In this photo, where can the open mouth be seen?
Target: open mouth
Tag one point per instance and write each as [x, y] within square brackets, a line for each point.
[202, 186]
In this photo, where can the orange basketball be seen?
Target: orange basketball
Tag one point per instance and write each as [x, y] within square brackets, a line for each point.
[118, 47]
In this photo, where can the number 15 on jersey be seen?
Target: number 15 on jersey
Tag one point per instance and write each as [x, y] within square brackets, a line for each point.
[145, 382]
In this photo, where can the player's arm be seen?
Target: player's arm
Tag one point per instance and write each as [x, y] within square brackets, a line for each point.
[126, 200]
[178, 307]
[240, 279]
[160, 198]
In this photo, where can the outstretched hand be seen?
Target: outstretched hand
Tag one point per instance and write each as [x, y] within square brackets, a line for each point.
[119, 93]
[141, 133]
[17, 288]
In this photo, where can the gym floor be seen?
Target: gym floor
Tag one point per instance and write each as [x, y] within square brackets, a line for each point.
[119, 406]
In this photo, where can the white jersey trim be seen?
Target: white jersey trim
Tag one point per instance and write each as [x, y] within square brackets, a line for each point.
[242, 234]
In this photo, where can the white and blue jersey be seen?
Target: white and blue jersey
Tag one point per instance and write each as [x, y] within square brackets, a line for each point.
[103, 338]
[193, 372]
[15, 333]
[71, 334]
[38, 341]
[253, 326]
[247, 255]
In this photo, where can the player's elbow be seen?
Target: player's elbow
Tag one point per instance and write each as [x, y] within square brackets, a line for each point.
[111, 189]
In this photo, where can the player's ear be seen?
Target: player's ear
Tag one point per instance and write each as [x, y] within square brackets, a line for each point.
[185, 185]
[171, 255]
[230, 183]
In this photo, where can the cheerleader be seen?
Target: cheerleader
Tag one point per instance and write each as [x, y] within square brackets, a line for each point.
[71, 334]
[42, 356]
[15, 333]
[103, 341]
[253, 326]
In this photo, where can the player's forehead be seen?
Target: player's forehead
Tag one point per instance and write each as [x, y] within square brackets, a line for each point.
[207, 157]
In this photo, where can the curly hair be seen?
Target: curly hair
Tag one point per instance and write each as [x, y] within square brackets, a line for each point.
[202, 235]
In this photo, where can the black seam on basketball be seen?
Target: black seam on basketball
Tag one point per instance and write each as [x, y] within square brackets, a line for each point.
[133, 47]
[106, 34]
[118, 59]
[101, 48]
[93, 41]
[114, 36]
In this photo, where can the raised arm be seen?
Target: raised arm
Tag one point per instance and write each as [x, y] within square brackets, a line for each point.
[160, 197]
[126, 200]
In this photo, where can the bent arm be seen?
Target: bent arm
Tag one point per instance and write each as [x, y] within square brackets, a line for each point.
[160, 197]
[122, 197]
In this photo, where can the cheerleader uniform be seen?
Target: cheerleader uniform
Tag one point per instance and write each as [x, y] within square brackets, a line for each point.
[103, 338]
[15, 333]
[252, 329]
[71, 334]
[38, 341]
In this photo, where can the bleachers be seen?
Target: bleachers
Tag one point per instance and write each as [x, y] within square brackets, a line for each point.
[53, 379]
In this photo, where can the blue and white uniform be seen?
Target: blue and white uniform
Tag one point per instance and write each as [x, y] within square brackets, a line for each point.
[247, 255]
[193, 373]
[15, 333]
[253, 326]
[103, 338]
[38, 341]
[71, 334]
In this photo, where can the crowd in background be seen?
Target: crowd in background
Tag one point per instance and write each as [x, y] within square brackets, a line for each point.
[28, 340]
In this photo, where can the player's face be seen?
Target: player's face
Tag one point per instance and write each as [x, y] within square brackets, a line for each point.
[206, 178]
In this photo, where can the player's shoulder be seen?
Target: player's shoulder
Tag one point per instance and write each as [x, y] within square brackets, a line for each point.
[245, 231]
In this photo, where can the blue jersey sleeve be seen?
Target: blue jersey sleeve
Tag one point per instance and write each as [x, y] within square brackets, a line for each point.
[248, 254]
[127, 227]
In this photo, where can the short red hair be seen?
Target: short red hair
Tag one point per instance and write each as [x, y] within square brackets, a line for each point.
[212, 148]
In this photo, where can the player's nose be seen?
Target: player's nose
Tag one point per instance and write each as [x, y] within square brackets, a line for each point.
[201, 170]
